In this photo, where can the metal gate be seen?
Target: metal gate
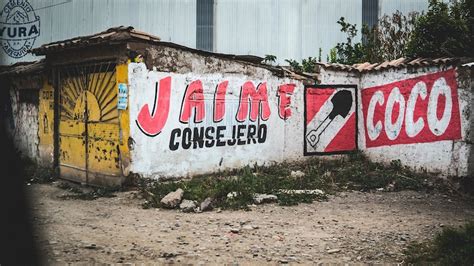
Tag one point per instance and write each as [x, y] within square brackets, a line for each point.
[88, 123]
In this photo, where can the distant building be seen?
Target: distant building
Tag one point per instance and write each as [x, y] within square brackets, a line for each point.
[288, 29]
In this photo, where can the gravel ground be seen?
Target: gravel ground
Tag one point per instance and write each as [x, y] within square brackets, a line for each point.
[350, 227]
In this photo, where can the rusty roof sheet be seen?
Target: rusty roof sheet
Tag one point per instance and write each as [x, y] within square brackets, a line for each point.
[124, 34]
[396, 64]
[116, 34]
[34, 67]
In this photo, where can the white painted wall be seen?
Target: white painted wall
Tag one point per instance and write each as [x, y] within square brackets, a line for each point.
[448, 157]
[25, 126]
[152, 157]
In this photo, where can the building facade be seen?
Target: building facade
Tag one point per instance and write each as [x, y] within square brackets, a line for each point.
[288, 29]
[122, 103]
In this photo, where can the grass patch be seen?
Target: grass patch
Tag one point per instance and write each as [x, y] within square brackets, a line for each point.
[450, 247]
[353, 172]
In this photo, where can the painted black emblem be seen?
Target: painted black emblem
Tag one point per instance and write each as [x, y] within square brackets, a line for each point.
[342, 103]
[19, 28]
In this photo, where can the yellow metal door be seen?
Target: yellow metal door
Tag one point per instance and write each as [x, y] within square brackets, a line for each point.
[89, 124]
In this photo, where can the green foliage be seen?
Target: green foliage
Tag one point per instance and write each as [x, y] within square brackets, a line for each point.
[450, 247]
[332, 57]
[445, 30]
[384, 41]
[349, 52]
[295, 65]
[351, 172]
[307, 65]
[269, 59]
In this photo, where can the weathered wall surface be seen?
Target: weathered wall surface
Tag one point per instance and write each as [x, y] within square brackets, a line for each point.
[187, 124]
[24, 128]
[46, 125]
[195, 114]
[330, 119]
[420, 116]
[465, 72]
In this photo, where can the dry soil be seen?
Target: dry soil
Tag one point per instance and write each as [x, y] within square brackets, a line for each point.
[350, 227]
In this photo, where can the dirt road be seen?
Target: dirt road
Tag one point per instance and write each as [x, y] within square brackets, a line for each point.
[349, 227]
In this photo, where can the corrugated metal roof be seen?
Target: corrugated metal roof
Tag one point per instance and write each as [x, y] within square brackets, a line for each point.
[23, 68]
[396, 64]
[118, 34]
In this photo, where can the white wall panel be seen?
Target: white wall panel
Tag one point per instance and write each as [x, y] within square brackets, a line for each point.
[289, 29]
[171, 20]
[405, 6]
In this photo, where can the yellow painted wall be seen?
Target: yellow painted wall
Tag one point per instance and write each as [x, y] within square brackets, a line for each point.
[124, 123]
[46, 124]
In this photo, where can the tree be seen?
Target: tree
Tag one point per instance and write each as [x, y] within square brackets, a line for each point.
[389, 38]
[386, 40]
[445, 30]
[348, 52]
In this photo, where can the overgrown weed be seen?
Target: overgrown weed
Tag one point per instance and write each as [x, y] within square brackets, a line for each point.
[452, 246]
[352, 172]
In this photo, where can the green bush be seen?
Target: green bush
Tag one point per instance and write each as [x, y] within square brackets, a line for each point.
[445, 30]
[450, 247]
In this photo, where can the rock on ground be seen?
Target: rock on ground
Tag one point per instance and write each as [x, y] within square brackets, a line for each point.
[188, 205]
[297, 174]
[369, 228]
[206, 205]
[172, 199]
[264, 198]
[302, 191]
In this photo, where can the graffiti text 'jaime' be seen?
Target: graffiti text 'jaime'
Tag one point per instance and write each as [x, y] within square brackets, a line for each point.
[253, 106]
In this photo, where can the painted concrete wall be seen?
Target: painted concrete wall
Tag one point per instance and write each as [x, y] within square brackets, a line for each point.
[426, 135]
[46, 125]
[24, 128]
[432, 133]
[258, 131]
[422, 117]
